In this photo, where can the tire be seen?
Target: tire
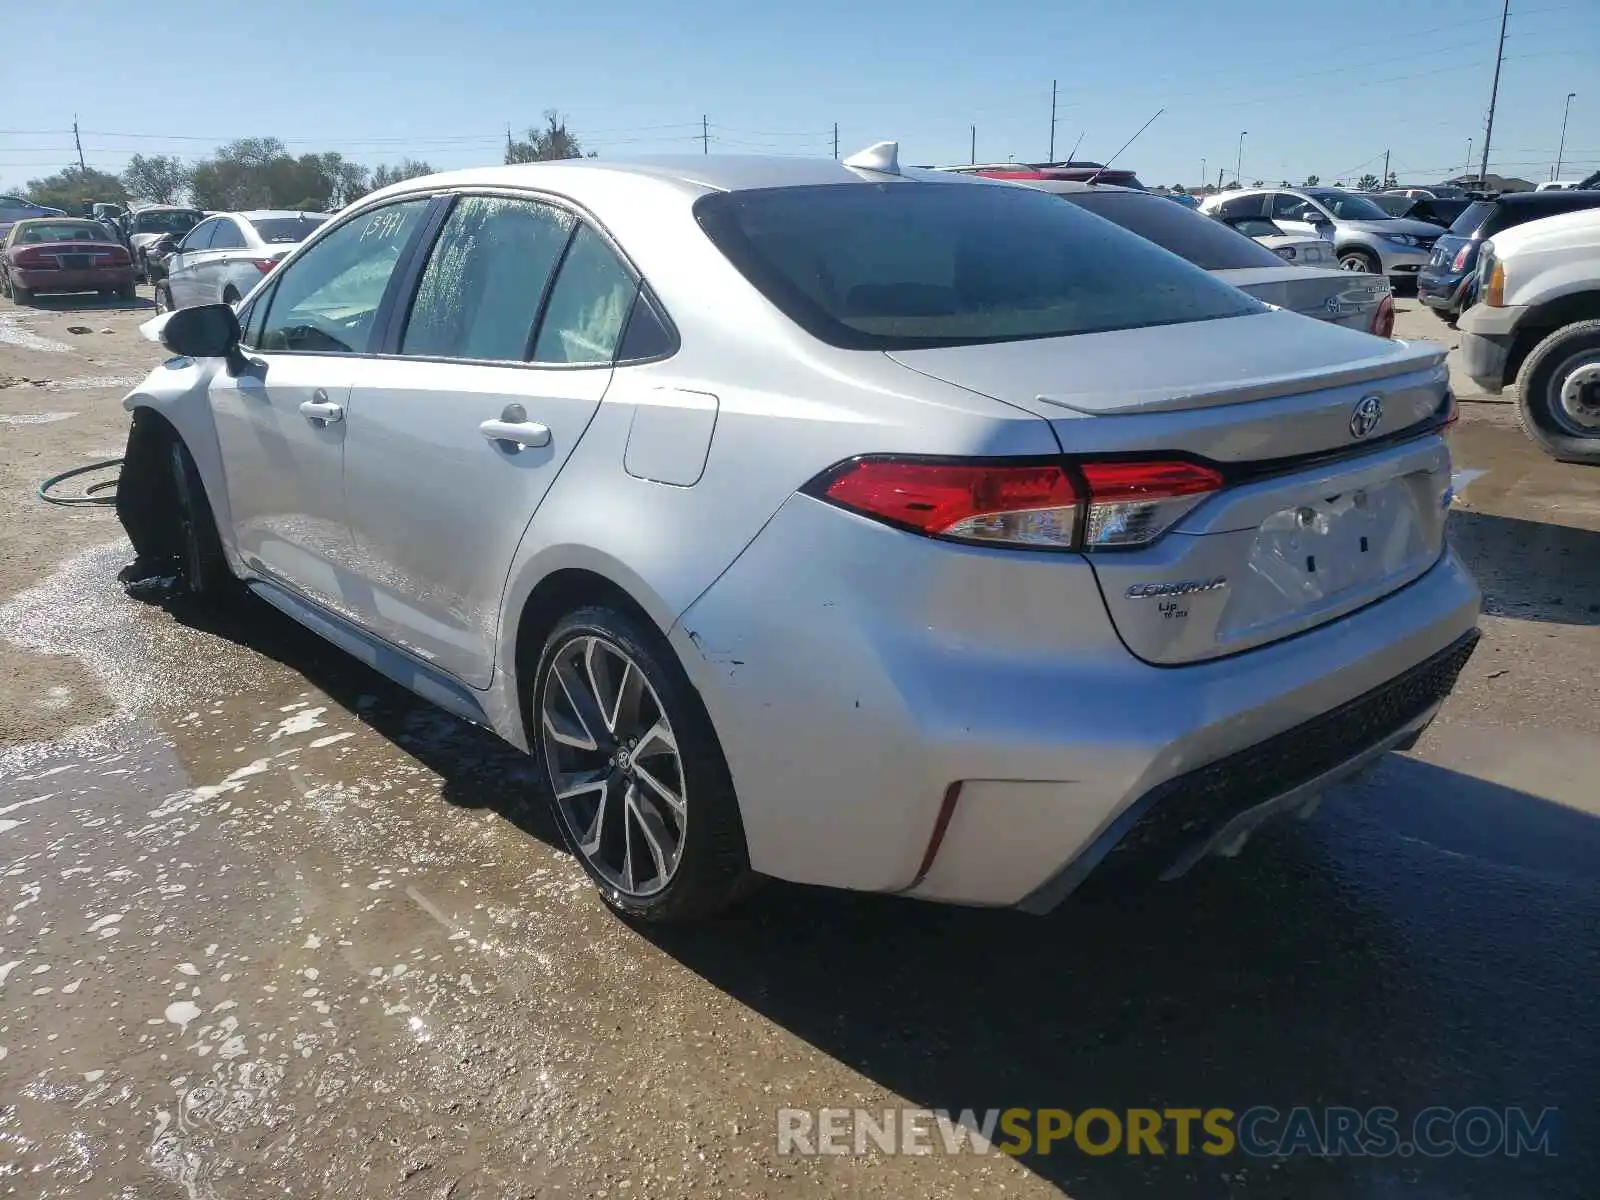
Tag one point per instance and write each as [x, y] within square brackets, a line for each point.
[21, 295]
[691, 857]
[1558, 394]
[206, 575]
[1353, 258]
[163, 298]
[128, 291]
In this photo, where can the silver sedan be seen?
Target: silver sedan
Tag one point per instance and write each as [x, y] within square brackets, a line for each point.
[223, 257]
[835, 521]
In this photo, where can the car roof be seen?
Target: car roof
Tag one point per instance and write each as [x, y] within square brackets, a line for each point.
[1561, 199]
[690, 174]
[262, 214]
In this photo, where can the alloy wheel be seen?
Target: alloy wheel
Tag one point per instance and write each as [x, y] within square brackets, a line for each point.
[1577, 399]
[613, 765]
[1355, 262]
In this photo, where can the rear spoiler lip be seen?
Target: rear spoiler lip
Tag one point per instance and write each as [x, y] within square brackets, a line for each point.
[1277, 386]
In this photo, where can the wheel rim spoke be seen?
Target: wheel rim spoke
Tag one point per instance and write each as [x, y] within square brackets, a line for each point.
[613, 765]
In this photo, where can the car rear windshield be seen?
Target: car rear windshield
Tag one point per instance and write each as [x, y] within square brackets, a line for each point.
[63, 231]
[178, 221]
[901, 266]
[278, 231]
[1474, 215]
[1208, 244]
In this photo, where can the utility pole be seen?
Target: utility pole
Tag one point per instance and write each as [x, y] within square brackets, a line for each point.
[1468, 170]
[1220, 170]
[705, 135]
[1562, 150]
[1385, 182]
[1203, 175]
[972, 157]
[1052, 157]
[1238, 170]
[836, 141]
[1494, 95]
[82, 169]
[510, 149]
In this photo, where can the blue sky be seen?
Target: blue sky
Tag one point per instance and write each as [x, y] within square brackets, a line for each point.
[1321, 86]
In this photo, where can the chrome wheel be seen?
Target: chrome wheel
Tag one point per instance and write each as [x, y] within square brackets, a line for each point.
[1356, 262]
[613, 765]
[1576, 406]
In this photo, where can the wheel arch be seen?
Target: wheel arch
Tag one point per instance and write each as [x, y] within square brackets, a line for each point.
[1546, 318]
[187, 416]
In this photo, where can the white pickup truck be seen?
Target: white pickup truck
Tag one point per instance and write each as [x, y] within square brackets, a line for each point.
[1537, 323]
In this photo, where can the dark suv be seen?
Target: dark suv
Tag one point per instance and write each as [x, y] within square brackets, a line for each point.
[1445, 284]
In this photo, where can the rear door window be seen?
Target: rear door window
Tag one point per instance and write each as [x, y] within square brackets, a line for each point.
[486, 278]
[589, 305]
[199, 238]
[901, 266]
[227, 236]
[1204, 242]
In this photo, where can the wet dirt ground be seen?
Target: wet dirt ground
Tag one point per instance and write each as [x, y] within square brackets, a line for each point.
[271, 927]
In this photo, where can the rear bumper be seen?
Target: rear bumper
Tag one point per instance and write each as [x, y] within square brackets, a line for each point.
[73, 281]
[1443, 292]
[963, 725]
[1487, 336]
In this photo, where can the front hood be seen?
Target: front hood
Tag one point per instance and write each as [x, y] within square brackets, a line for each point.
[1398, 225]
[1172, 367]
[1326, 295]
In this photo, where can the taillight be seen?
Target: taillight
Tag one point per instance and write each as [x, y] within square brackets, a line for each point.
[31, 258]
[1383, 319]
[1462, 255]
[263, 264]
[117, 255]
[1093, 505]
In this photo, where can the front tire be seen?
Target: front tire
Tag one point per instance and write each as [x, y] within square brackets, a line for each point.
[633, 771]
[1558, 394]
[205, 567]
[1356, 259]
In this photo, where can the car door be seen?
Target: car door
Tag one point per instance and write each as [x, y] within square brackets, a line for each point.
[455, 438]
[183, 282]
[1294, 214]
[216, 266]
[280, 422]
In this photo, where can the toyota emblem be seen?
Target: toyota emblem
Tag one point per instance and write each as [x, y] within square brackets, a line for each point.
[1365, 416]
[1333, 305]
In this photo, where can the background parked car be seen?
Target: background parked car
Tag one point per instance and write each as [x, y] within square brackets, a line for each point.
[223, 257]
[1446, 283]
[1294, 248]
[147, 226]
[1322, 293]
[1435, 210]
[1364, 237]
[15, 208]
[64, 254]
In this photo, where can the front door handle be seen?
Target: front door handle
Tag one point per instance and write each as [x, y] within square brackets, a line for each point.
[518, 433]
[320, 412]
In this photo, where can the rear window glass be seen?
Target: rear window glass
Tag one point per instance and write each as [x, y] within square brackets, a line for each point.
[1471, 217]
[165, 222]
[277, 231]
[63, 231]
[898, 266]
[1206, 243]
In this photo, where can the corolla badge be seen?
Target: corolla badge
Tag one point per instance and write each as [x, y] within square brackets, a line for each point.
[1178, 587]
[1365, 416]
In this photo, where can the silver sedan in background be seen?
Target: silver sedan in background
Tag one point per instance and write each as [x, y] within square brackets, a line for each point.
[221, 259]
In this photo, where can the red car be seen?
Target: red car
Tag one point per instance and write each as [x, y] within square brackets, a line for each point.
[64, 254]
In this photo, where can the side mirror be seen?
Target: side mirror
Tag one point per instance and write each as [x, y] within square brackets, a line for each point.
[205, 331]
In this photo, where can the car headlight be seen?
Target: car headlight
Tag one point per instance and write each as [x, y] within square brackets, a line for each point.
[1400, 239]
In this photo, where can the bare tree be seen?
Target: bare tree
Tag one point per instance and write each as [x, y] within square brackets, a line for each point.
[406, 168]
[552, 142]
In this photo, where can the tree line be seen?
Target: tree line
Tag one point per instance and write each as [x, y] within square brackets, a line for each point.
[261, 173]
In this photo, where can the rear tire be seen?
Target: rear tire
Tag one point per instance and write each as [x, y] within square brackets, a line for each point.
[128, 291]
[21, 295]
[654, 858]
[1558, 394]
[163, 298]
[1356, 259]
[205, 567]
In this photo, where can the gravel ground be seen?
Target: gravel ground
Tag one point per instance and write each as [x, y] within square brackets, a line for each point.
[274, 928]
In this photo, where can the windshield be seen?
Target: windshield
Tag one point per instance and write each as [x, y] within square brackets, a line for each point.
[62, 231]
[1471, 218]
[1208, 244]
[283, 231]
[178, 221]
[1347, 207]
[900, 266]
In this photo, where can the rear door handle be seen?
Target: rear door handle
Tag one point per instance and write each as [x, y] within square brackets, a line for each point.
[319, 411]
[519, 433]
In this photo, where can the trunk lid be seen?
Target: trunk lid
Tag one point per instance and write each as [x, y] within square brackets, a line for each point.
[1325, 510]
[1343, 297]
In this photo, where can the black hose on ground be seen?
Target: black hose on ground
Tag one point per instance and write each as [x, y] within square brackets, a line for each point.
[91, 494]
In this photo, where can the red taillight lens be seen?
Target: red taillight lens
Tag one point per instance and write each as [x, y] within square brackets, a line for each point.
[263, 264]
[1105, 505]
[1031, 505]
[116, 257]
[1383, 319]
[31, 258]
[1462, 255]
[1134, 503]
